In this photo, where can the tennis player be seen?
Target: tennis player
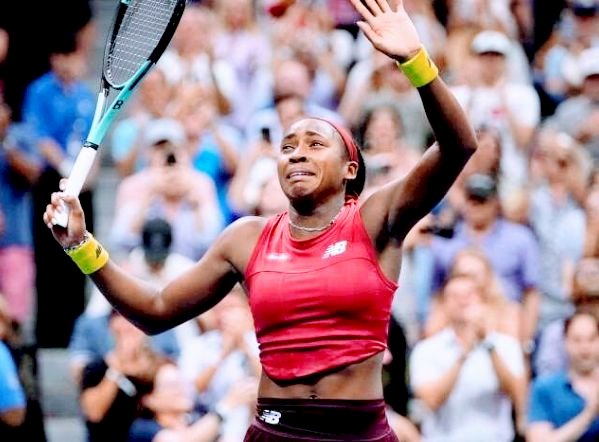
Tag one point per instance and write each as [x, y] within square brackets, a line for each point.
[319, 277]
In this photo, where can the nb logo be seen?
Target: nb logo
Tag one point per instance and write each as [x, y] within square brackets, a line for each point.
[270, 417]
[335, 249]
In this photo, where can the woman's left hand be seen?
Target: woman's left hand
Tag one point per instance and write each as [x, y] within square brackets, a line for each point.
[390, 30]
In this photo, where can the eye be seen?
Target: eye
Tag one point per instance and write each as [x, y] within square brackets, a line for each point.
[286, 148]
[316, 144]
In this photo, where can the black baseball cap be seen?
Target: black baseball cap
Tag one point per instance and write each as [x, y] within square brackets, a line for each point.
[585, 8]
[157, 237]
[480, 186]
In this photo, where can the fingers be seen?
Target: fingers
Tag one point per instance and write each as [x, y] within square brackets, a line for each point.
[374, 6]
[384, 5]
[362, 9]
[368, 32]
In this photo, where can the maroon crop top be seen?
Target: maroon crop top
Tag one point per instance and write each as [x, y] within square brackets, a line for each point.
[318, 304]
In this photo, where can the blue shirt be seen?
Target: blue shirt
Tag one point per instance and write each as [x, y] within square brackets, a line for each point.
[552, 399]
[11, 391]
[208, 159]
[91, 339]
[15, 192]
[61, 113]
[511, 248]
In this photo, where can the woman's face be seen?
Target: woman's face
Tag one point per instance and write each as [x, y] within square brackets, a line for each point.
[382, 131]
[472, 266]
[313, 161]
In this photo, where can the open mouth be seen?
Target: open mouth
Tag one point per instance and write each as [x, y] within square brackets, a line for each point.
[299, 173]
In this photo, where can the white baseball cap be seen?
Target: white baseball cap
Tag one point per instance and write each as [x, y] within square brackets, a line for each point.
[491, 41]
[164, 129]
[588, 62]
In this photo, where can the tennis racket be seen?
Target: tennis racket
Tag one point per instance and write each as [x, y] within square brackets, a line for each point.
[141, 31]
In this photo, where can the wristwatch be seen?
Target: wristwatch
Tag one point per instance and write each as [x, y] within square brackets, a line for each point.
[121, 381]
[488, 345]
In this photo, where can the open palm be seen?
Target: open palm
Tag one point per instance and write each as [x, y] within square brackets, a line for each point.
[390, 30]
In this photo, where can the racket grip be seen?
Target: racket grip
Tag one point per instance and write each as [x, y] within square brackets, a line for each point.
[77, 177]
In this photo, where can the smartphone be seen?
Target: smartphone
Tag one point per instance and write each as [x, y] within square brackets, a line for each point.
[171, 159]
[266, 134]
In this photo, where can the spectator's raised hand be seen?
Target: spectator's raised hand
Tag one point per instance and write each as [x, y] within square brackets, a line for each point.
[390, 30]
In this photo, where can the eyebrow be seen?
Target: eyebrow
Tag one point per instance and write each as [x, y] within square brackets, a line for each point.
[308, 132]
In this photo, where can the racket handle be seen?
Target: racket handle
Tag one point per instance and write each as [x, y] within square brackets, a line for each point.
[77, 177]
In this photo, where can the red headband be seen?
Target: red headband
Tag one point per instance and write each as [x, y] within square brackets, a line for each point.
[348, 140]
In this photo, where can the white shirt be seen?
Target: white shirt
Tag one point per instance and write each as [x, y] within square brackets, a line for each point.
[476, 409]
[483, 105]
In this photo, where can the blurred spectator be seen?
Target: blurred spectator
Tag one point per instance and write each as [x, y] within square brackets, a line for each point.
[20, 168]
[491, 98]
[564, 406]
[485, 14]
[240, 41]
[502, 314]
[576, 31]
[190, 57]
[511, 248]
[578, 116]
[150, 103]
[223, 357]
[376, 81]
[558, 220]
[468, 375]
[591, 241]
[24, 356]
[255, 188]
[59, 107]
[175, 416]
[28, 58]
[168, 188]
[213, 145]
[155, 263]
[551, 357]
[113, 386]
[288, 77]
[386, 152]
[12, 396]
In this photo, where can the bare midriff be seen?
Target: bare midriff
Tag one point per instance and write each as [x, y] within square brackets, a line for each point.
[360, 381]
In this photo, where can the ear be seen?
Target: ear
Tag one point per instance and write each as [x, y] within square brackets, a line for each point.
[351, 170]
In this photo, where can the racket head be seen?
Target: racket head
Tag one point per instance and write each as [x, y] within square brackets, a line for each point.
[141, 31]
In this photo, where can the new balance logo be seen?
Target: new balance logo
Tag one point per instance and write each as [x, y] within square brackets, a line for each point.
[270, 417]
[335, 249]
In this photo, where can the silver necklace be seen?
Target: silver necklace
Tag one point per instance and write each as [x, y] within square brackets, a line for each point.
[314, 229]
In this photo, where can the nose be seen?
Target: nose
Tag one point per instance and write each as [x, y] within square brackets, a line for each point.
[298, 155]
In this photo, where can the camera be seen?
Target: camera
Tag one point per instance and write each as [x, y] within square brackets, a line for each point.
[443, 231]
[265, 131]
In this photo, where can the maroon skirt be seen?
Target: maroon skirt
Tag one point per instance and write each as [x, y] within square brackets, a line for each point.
[322, 420]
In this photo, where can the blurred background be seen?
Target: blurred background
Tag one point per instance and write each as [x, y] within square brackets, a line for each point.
[505, 269]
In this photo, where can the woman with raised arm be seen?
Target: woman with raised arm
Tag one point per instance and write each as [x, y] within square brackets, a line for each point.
[319, 277]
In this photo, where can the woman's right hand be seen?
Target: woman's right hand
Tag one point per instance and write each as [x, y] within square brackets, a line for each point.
[74, 233]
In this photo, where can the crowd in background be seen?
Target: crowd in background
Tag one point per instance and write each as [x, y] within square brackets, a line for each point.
[494, 335]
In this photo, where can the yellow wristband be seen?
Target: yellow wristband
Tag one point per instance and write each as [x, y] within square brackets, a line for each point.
[419, 69]
[89, 256]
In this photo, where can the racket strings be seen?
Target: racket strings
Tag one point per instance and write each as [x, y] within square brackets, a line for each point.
[139, 33]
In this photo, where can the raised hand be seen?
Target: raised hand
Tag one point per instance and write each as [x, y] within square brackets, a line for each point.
[391, 31]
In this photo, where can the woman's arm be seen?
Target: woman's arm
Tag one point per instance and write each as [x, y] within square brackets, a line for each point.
[403, 202]
[194, 292]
